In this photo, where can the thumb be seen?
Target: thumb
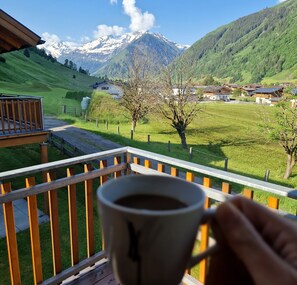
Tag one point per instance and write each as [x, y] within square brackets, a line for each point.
[242, 237]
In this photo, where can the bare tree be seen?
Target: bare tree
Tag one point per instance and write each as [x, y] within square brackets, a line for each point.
[281, 126]
[137, 95]
[176, 103]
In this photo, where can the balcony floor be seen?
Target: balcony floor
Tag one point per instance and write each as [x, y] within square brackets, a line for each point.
[101, 274]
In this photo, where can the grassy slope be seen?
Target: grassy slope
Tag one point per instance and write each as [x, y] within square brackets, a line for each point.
[40, 77]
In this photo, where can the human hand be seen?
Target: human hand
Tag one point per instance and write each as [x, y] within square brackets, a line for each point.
[256, 246]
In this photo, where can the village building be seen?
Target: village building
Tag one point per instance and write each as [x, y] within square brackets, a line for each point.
[268, 95]
[217, 93]
[109, 87]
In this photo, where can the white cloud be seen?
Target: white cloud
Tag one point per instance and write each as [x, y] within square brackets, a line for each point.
[50, 38]
[280, 1]
[104, 30]
[139, 21]
[113, 1]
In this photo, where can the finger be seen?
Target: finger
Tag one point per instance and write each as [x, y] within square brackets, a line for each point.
[262, 263]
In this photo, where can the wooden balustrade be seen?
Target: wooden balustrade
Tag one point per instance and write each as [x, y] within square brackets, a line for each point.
[126, 160]
[20, 114]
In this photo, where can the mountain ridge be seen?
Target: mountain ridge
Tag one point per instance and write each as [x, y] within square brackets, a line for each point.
[94, 55]
[250, 49]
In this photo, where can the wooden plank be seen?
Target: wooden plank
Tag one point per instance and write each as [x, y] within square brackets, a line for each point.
[147, 163]
[226, 188]
[35, 115]
[7, 115]
[73, 225]
[2, 116]
[30, 114]
[117, 160]
[273, 203]
[54, 224]
[174, 171]
[25, 114]
[40, 114]
[128, 160]
[221, 174]
[103, 164]
[89, 212]
[19, 115]
[248, 194]
[13, 115]
[204, 236]
[161, 167]
[59, 278]
[22, 139]
[28, 171]
[59, 183]
[190, 177]
[34, 233]
[136, 160]
[12, 247]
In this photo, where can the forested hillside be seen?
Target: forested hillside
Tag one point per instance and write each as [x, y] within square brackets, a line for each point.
[256, 47]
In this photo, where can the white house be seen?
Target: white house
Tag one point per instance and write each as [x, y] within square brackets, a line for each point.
[109, 87]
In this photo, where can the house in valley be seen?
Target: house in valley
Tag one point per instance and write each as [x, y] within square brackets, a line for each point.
[268, 95]
[217, 93]
[114, 89]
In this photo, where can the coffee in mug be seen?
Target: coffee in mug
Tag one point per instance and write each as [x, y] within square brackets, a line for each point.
[150, 224]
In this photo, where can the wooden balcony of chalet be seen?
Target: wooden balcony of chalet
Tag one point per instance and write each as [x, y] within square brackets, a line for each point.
[79, 258]
[21, 120]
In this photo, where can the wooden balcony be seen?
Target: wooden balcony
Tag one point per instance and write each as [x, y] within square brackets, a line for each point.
[79, 258]
[21, 120]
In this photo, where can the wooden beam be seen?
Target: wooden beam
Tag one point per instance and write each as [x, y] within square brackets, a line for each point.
[22, 139]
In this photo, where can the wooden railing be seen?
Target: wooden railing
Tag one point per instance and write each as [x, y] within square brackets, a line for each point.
[20, 114]
[84, 174]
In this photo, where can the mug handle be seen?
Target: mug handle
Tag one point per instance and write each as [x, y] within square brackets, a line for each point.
[208, 214]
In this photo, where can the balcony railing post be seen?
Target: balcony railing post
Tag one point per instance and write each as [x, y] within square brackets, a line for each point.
[11, 240]
[44, 159]
[54, 223]
[117, 160]
[174, 171]
[161, 167]
[147, 163]
[128, 160]
[73, 225]
[273, 203]
[89, 212]
[204, 236]
[226, 188]
[34, 233]
[136, 160]
[248, 194]
[103, 164]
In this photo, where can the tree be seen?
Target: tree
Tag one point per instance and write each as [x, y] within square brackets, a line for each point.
[26, 53]
[281, 127]
[177, 104]
[137, 90]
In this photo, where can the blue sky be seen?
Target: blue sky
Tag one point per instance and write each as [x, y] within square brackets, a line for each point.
[182, 21]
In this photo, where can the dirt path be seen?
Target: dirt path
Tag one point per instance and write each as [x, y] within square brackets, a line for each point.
[85, 141]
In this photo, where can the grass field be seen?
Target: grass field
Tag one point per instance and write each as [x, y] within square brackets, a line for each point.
[221, 131]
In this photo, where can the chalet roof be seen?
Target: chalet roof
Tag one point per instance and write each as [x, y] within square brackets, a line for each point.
[15, 35]
[214, 89]
[268, 90]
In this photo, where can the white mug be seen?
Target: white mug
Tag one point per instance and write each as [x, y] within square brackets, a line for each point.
[150, 247]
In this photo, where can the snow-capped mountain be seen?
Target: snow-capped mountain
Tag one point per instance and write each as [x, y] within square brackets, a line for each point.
[94, 55]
